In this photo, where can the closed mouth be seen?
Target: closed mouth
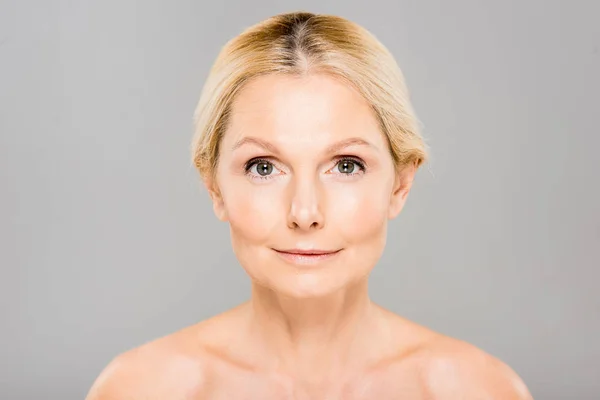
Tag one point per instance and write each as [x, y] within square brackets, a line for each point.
[300, 257]
[307, 252]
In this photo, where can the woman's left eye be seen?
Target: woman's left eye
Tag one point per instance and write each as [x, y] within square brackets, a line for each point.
[349, 167]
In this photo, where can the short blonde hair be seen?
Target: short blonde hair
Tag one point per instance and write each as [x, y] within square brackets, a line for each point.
[302, 43]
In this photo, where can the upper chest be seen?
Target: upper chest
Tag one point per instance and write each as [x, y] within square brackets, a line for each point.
[395, 382]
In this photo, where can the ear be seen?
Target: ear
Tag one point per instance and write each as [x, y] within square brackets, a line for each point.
[217, 198]
[402, 185]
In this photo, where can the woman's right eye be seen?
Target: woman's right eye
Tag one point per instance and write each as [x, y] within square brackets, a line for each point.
[261, 169]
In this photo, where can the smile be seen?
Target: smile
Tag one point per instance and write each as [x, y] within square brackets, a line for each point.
[306, 257]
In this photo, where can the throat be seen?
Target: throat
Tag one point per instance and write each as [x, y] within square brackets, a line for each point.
[316, 338]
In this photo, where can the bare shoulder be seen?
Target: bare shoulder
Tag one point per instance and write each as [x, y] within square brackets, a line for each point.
[447, 368]
[454, 369]
[176, 366]
[163, 368]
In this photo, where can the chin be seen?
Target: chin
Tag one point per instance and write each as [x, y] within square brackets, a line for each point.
[306, 284]
[302, 279]
[305, 290]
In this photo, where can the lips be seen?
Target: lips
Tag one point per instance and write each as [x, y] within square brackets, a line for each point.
[306, 257]
[308, 252]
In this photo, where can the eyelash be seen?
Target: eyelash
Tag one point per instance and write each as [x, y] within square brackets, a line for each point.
[252, 162]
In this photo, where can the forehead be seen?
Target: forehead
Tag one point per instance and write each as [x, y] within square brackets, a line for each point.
[315, 108]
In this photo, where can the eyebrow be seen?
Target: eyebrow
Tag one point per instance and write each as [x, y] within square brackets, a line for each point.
[255, 141]
[335, 147]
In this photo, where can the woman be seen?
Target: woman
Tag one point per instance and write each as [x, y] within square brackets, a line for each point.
[308, 145]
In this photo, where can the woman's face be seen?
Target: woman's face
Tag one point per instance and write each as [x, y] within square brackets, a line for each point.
[307, 183]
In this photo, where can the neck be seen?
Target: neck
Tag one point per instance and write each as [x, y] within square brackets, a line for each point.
[304, 335]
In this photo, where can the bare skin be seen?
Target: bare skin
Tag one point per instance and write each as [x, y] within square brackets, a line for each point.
[304, 166]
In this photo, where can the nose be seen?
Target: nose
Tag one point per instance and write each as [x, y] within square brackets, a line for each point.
[305, 209]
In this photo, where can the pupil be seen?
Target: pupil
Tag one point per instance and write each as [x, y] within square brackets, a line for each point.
[346, 167]
[264, 169]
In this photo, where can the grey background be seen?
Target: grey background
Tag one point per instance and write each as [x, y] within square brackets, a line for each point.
[108, 239]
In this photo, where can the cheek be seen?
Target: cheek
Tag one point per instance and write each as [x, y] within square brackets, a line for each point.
[360, 212]
[254, 213]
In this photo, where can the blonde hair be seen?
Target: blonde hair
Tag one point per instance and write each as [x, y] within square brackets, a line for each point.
[302, 43]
